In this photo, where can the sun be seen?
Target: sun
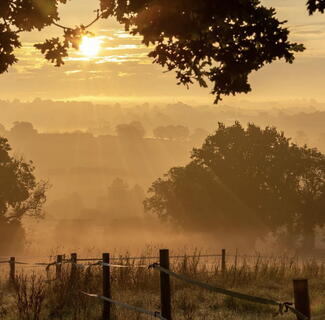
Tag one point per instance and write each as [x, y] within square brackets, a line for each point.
[90, 46]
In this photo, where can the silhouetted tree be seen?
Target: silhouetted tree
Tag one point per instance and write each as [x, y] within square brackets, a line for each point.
[160, 132]
[20, 195]
[251, 179]
[23, 129]
[311, 195]
[315, 5]
[132, 130]
[220, 42]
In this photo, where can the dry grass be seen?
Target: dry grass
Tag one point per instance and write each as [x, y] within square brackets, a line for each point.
[33, 297]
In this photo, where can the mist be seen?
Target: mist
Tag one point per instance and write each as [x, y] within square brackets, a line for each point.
[100, 161]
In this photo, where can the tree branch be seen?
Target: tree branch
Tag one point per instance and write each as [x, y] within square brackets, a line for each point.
[99, 16]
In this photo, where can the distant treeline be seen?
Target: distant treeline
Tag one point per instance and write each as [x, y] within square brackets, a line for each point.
[81, 147]
[94, 144]
[101, 159]
[306, 125]
[80, 162]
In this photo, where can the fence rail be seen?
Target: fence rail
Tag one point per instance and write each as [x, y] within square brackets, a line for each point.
[300, 308]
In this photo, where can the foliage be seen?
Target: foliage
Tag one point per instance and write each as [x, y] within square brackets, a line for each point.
[311, 193]
[315, 5]
[22, 15]
[30, 294]
[132, 130]
[206, 42]
[55, 50]
[244, 179]
[22, 128]
[20, 194]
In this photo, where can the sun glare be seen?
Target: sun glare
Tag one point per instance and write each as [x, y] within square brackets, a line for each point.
[90, 46]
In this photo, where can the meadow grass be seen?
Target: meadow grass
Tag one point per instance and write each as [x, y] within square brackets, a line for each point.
[36, 295]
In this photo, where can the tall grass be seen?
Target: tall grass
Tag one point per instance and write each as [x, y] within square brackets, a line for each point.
[41, 296]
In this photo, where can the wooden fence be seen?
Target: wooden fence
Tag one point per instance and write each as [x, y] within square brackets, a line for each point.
[300, 286]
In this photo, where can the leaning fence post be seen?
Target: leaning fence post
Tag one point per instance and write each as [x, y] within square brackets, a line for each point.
[58, 266]
[106, 287]
[74, 260]
[12, 272]
[223, 261]
[301, 296]
[165, 295]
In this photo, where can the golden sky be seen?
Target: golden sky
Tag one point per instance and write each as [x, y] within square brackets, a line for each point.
[122, 70]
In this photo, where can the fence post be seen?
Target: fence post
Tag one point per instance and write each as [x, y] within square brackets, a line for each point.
[58, 266]
[223, 261]
[165, 295]
[74, 260]
[12, 272]
[106, 287]
[301, 296]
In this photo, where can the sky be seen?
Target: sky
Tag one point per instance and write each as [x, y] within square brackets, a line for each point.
[122, 71]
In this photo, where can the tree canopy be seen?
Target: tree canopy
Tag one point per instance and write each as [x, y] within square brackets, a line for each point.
[245, 179]
[23, 128]
[20, 195]
[214, 43]
[132, 131]
[315, 5]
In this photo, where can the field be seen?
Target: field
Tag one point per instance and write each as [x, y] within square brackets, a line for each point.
[36, 294]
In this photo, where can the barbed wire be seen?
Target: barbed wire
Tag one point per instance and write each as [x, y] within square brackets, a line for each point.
[198, 256]
[283, 306]
[154, 314]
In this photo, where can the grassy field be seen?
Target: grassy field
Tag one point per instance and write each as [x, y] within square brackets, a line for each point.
[37, 295]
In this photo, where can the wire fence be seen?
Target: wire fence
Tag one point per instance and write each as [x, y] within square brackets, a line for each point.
[232, 256]
[300, 308]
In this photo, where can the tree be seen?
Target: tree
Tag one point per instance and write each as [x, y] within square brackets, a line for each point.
[217, 42]
[311, 192]
[250, 179]
[132, 130]
[315, 5]
[23, 129]
[20, 196]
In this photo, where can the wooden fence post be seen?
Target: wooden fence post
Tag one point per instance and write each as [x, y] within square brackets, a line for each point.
[58, 266]
[74, 260]
[12, 272]
[301, 296]
[223, 261]
[165, 295]
[106, 288]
